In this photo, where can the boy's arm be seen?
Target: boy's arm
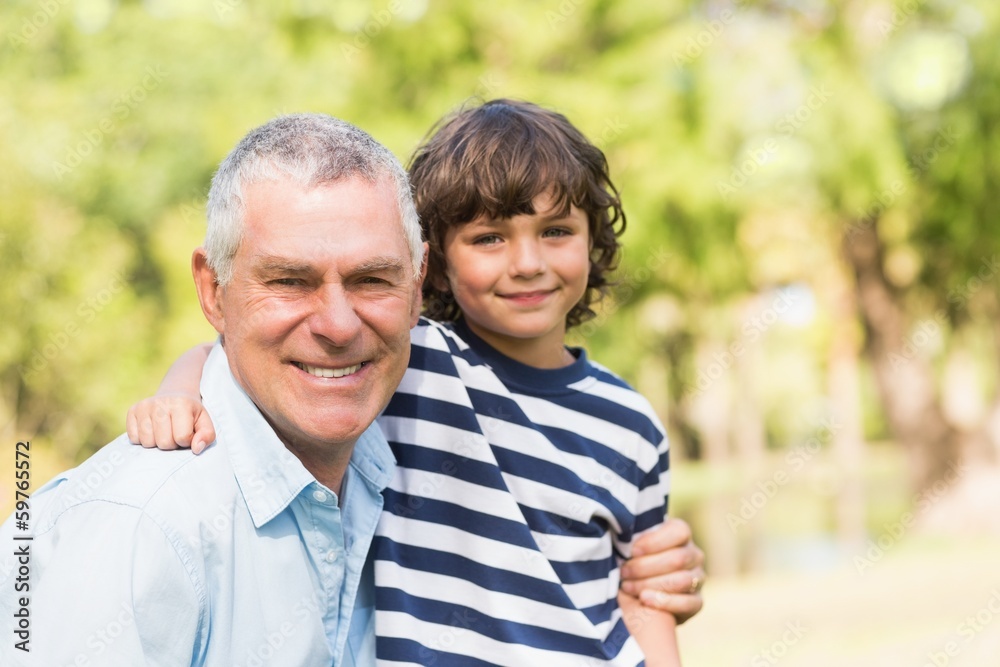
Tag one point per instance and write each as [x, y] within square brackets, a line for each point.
[175, 416]
[654, 630]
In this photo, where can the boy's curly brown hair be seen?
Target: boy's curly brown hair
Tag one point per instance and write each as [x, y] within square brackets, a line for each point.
[493, 160]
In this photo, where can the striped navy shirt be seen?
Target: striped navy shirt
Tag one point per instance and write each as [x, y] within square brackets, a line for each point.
[517, 493]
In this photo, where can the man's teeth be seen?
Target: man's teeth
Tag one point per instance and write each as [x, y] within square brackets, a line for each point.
[330, 372]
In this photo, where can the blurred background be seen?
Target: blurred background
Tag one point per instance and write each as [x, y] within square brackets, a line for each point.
[808, 293]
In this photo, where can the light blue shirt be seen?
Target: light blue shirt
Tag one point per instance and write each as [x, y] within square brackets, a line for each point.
[236, 558]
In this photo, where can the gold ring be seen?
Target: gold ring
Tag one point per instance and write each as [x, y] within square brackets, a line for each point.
[696, 584]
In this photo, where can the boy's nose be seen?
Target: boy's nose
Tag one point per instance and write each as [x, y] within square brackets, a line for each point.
[527, 259]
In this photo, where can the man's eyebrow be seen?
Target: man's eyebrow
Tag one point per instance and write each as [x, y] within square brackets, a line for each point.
[378, 264]
[277, 264]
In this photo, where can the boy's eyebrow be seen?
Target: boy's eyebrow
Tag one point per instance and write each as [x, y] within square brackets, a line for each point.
[487, 221]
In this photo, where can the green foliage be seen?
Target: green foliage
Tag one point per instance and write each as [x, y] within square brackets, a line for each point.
[745, 143]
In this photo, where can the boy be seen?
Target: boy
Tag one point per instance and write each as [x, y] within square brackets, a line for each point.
[525, 471]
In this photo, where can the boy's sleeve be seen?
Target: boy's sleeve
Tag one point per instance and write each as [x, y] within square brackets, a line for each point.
[654, 491]
[652, 471]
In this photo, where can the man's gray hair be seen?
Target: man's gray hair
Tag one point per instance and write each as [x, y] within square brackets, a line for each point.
[312, 150]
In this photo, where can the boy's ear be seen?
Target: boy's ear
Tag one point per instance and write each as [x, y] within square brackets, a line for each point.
[208, 287]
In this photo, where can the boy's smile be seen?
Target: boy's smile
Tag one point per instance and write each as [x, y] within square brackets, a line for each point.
[516, 279]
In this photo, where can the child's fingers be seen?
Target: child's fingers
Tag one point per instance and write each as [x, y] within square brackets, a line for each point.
[163, 432]
[182, 427]
[132, 426]
[139, 423]
[204, 433]
[144, 423]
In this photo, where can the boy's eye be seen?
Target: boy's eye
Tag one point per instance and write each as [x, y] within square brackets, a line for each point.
[555, 232]
[487, 239]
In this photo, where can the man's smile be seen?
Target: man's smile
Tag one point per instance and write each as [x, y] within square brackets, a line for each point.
[326, 372]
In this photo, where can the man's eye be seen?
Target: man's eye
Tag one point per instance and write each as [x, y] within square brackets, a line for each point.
[286, 282]
[373, 280]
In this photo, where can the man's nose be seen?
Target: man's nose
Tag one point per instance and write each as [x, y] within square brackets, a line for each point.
[334, 317]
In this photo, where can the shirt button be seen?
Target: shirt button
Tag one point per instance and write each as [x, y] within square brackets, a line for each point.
[332, 555]
[319, 496]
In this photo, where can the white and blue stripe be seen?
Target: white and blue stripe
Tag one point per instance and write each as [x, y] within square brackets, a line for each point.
[517, 492]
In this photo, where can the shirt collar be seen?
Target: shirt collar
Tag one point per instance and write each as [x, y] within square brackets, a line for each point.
[269, 476]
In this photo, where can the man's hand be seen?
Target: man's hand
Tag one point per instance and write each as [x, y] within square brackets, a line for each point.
[666, 570]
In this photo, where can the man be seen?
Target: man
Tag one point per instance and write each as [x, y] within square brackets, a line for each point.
[253, 553]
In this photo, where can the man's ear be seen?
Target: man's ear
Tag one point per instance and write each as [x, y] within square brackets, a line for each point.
[208, 287]
[418, 298]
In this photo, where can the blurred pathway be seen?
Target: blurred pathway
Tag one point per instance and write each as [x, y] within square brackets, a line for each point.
[924, 602]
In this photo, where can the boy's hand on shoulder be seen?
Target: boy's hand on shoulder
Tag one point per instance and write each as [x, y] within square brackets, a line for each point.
[666, 571]
[169, 421]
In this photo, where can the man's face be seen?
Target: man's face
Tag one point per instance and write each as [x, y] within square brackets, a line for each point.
[316, 318]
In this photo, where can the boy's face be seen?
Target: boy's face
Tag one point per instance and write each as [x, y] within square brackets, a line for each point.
[516, 279]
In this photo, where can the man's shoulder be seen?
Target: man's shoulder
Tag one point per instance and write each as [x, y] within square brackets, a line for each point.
[123, 477]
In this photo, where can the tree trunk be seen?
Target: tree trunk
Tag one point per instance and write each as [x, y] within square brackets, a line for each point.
[847, 440]
[709, 411]
[898, 358]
